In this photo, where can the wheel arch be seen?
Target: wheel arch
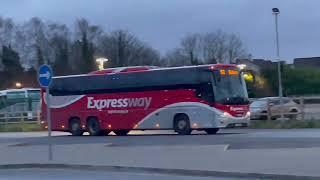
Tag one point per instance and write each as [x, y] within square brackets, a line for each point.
[73, 118]
[92, 117]
[180, 114]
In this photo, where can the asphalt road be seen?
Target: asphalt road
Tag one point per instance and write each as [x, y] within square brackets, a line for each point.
[40, 174]
[235, 138]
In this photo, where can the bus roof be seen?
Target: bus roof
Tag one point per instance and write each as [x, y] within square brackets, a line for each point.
[161, 78]
[150, 68]
[123, 69]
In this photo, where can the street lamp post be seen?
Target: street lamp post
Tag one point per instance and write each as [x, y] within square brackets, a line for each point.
[276, 12]
[101, 62]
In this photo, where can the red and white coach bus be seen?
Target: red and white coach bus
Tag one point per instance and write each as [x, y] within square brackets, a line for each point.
[206, 97]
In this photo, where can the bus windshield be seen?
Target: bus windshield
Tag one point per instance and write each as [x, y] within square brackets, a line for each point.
[230, 88]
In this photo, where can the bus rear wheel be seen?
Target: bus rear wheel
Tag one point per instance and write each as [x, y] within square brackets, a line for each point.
[121, 132]
[212, 130]
[182, 124]
[93, 126]
[75, 127]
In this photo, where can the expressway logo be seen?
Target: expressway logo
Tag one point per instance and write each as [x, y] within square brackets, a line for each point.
[143, 102]
[236, 109]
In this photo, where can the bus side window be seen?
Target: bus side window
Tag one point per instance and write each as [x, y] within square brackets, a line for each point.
[205, 92]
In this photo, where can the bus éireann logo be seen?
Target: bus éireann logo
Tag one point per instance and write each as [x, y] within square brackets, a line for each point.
[143, 102]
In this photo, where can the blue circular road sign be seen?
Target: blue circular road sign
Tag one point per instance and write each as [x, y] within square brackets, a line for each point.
[45, 75]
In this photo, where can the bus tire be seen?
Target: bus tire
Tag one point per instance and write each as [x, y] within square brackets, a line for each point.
[121, 132]
[181, 124]
[212, 130]
[75, 127]
[93, 126]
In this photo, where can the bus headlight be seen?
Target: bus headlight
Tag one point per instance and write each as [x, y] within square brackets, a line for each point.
[225, 115]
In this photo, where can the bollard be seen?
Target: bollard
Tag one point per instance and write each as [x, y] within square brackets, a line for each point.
[302, 108]
[269, 110]
[5, 118]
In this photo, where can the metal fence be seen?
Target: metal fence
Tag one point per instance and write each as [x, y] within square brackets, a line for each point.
[300, 108]
[25, 112]
[308, 108]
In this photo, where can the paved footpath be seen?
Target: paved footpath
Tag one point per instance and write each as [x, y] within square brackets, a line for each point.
[300, 162]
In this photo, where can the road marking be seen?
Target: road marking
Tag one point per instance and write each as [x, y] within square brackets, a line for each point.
[19, 145]
[226, 147]
[108, 144]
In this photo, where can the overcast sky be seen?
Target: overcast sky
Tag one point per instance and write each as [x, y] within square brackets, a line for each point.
[162, 23]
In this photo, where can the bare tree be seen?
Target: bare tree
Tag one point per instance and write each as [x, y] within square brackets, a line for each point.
[213, 47]
[235, 48]
[124, 49]
[221, 47]
[7, 28]
[32, 43]
[191, 47]
[59, 40]
[176, 58]
[86, 39]
[37, 42]
[6, 31]
[84, 29]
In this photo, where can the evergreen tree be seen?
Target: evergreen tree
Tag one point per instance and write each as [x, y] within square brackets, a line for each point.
[11, 60]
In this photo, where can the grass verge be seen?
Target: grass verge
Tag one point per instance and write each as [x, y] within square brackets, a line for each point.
[286, 124]
[20, 127]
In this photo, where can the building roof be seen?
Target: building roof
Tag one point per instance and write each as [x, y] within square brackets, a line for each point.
[310, 62]
[257, 64]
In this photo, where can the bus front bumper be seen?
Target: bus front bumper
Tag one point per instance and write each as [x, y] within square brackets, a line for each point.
[230, 121]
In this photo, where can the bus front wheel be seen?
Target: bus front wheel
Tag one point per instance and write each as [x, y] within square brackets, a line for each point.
[93, 126]
[182, 124]
[75, 127]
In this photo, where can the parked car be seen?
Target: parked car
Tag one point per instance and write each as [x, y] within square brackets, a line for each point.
[259, 108]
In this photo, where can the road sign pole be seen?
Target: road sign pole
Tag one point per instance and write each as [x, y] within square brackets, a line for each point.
[45, 77]
[49, 122]
[48, 111]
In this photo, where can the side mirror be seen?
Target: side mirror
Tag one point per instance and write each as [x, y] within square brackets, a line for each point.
[271, 104]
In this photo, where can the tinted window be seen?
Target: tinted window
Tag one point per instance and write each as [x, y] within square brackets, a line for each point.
[205, 92]
[230, 88]
[277, 101]
[286, 100]
[258, 103]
